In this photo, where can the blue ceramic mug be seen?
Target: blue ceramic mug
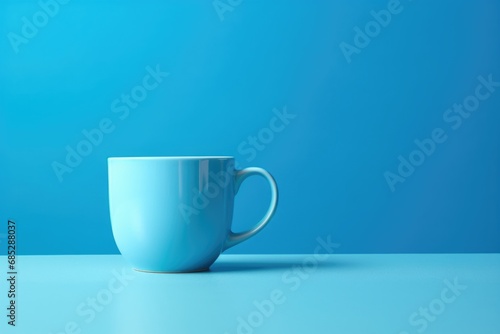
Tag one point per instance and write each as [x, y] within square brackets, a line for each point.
[173, 214]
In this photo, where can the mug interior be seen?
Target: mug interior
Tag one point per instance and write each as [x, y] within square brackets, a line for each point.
[180, 157]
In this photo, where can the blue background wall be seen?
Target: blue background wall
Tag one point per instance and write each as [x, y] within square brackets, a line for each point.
[227, 73]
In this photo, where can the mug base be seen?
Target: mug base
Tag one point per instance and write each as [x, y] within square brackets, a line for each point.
[171, 272]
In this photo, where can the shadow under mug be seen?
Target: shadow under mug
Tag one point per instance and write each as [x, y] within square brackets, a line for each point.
[174, 214]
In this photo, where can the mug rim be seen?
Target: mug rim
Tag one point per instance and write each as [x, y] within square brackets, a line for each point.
[179, 157]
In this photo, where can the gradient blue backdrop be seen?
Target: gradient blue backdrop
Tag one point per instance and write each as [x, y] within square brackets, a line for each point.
[226, 76]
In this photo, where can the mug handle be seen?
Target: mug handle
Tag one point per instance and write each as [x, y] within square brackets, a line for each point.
[235, 238]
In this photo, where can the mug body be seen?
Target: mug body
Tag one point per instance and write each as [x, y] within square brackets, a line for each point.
[171, 214]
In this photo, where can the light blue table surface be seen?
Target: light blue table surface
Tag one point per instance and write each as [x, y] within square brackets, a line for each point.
[383, 294]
